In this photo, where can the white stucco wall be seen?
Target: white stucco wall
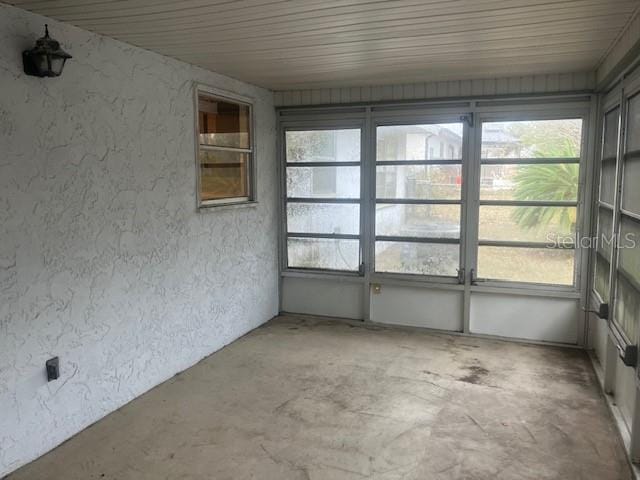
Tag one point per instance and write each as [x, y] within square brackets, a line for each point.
[104, 260]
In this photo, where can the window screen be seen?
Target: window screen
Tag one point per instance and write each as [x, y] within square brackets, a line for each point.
[529, 178]
[323, 199]
[418, 199]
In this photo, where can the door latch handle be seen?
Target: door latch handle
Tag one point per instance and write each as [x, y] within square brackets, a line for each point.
[461, 276]
[472, 276]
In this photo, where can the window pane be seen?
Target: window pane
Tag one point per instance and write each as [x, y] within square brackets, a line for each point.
[532, 139]
[420, 142]
[434, 221]
[323, 218]
[223, 123]
[629, 249]
[223, 174]
[633, 124]
[323, 182]
[424, 182]
[611, 134]
[323, 253]
[529, 182]
[532, 265]
[608, 181]
[323, 146]
[627, 307]
[527, 224]
[418, 258]
[630, 182]
[605, 233]
[602, 278]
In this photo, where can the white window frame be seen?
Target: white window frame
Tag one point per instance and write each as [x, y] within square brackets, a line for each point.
[224, 95]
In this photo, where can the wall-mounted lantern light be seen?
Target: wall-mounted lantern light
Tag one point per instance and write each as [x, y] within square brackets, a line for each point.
[46, 59]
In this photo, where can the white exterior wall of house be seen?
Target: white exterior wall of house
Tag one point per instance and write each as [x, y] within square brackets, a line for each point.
[104, 259]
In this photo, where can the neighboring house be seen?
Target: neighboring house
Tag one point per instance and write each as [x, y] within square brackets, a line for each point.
[420, 142]
[497, 142]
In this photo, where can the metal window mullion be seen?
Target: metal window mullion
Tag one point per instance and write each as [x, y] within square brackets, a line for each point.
[613, 266]
[528, 203]
[355, 201]
[516, 244]
[529, 161]
[630, 215]
[330, 236]
[633, 154]
[321, 164]
[399, 163]
[415, 201]
[402, 239]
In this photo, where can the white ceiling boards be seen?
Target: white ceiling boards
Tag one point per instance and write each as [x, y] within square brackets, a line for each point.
[285, 44]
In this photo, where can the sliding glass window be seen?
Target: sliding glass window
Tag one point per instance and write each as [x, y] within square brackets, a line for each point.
[323, 199]
[418, 199]
[626, 314]
[529, 178]
[606, 201]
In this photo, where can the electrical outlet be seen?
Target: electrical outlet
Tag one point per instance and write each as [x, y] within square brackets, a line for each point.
[53, 369]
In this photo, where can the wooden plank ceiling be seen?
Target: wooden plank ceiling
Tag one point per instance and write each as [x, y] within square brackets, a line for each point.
[290, 44]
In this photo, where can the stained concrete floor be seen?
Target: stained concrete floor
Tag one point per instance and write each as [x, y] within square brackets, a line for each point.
[303, 399]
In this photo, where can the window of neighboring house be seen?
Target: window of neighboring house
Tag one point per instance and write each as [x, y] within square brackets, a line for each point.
[452, 152]
[225, 150]
[441, 150]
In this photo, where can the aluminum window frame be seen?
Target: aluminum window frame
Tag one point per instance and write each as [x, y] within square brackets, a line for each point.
[526, 107]
[224, 95]
[319, 125]
[533, 114]
[627, 93]
[462, 116]
[609, 108]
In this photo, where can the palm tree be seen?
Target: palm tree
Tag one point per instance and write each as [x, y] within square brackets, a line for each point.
[551, 182]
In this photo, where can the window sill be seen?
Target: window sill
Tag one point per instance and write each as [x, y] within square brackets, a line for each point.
[217, 207]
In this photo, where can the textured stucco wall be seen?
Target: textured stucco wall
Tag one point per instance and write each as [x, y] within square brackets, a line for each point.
[104, 259]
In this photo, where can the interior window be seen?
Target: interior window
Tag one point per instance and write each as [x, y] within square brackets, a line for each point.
[225, 154]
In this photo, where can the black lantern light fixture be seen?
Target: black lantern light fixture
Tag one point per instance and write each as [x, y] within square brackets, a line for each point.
[46, 59]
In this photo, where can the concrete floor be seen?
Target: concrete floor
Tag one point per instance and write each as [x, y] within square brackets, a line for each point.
[301, 399]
